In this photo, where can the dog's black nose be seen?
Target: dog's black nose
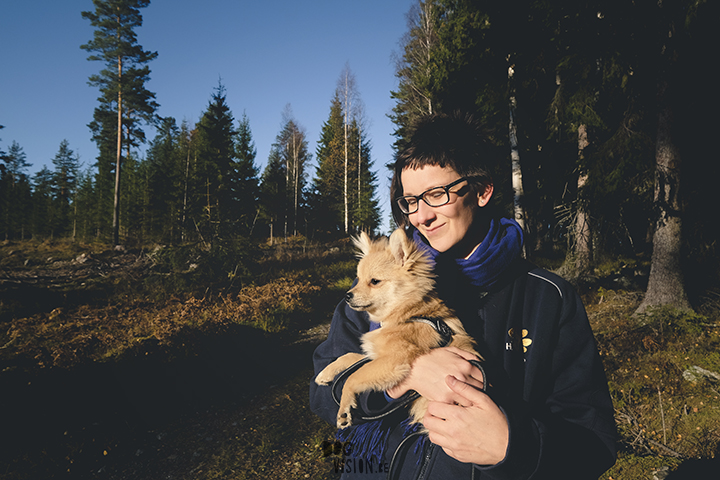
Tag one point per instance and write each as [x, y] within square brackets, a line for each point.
[348, 296]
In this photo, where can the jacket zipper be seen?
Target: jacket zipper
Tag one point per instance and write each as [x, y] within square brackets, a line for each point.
[426, 461]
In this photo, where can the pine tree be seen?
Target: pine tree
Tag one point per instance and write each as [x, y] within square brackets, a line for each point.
[328, 206]
[64, 184]
[121, 83]
[136, 200]
[84, 206]
[42, 204]
[15, 189]
[164, 172]
[216, 160]
[327, 189]
[273, 193]
[244, 183]
[187, 145]
[365, 212]
[283, 183]
[415, 93]
[295, 157]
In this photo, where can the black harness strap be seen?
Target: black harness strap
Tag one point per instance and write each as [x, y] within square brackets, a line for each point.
[446, 333]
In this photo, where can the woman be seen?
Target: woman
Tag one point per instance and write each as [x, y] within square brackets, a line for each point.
[547, 412]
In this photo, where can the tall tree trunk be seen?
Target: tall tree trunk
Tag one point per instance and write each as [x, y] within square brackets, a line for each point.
[185, 190]
[583, 234]
[359, 206]
[118, 161]
[666, 285]
[347, 119]
[518, 191]
[296, 180]
[287, 187]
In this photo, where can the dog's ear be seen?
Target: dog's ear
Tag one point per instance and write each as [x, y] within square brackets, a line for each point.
[362, 243]
[400, 246]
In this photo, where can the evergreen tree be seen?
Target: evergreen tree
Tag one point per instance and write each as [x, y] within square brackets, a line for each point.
[244, 183]
[216, 167]
[121, 84]
[365, 212]
[64, 183]
[15, 190]
[327, 188]
[104, 134]
[43, 212]
[294, 154]
[283, 184]
[134, 196]
[163, 172]
[187, 150]
[328, 207]
[84, 206]
[273, 193]
[415, 94]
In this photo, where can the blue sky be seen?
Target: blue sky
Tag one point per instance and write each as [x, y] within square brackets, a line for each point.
[268, 53]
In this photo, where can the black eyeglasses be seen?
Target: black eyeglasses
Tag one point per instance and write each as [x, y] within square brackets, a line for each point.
[434, 197]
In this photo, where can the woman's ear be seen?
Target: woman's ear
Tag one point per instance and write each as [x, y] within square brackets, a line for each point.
[484, 197]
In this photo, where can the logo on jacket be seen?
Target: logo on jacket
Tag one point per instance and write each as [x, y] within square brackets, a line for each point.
[518, 339]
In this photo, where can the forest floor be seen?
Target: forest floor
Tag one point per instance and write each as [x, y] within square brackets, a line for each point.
[135, 365]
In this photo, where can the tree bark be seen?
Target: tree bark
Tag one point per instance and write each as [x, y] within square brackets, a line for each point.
[666, 284]
[517, 185]
[118, 161]
[347, 120]
[583, 234]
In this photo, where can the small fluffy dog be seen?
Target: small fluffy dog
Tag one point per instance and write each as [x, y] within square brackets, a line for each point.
[396, 287]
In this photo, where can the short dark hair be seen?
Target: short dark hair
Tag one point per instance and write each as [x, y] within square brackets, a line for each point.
[454, 140]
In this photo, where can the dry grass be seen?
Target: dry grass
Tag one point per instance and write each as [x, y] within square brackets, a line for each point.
[63, 338]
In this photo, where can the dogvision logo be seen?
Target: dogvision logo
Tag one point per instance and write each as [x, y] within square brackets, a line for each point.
[344, 462]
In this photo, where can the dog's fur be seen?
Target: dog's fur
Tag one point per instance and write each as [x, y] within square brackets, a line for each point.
[395, 285]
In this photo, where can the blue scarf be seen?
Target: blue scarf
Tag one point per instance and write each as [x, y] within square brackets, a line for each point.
[502, 244]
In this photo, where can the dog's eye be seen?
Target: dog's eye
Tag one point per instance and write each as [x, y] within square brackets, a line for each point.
[374, 281]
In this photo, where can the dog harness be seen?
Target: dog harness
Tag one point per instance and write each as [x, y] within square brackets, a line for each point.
[442, 328]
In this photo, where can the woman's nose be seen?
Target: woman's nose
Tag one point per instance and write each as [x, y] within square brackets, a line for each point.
[425, 213]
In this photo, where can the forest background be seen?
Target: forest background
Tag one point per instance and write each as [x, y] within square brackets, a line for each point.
[601, 113]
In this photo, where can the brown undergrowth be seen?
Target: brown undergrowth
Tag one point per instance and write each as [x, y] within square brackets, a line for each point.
[65, 337]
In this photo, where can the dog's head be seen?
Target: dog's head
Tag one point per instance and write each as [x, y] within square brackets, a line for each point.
[391, 273]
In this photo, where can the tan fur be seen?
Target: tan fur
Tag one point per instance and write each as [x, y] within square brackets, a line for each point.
[395, 284]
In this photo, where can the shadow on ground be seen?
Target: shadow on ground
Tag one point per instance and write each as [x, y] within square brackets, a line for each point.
[701, 469]
[79, 414]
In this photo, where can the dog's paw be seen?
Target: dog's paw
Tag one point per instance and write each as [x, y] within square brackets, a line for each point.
[325, 377]
[344, 419]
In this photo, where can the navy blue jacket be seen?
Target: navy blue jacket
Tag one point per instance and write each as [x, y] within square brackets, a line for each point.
[542, 363]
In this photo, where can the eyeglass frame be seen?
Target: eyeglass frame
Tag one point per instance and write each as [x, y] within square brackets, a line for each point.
[417, 198]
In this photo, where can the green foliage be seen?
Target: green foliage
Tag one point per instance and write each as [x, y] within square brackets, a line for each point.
[283, 189]
[244, 182]
[15, 192]
[327, 201]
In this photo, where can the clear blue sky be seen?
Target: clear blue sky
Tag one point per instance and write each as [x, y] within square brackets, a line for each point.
[268, 53]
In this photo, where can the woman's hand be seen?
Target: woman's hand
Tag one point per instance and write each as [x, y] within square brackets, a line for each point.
[428, 373]
[474, 430]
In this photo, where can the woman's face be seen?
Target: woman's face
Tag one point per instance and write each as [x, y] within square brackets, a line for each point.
[451, 225]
